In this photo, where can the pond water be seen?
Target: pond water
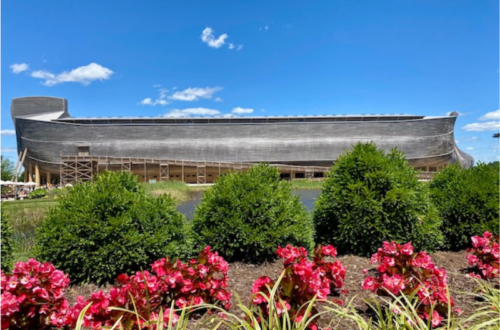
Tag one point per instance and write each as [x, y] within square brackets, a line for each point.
[307, 197]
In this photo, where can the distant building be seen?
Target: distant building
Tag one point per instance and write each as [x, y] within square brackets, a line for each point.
[198, 150]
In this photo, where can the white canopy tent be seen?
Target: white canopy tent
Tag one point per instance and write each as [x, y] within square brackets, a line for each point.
[12, 183]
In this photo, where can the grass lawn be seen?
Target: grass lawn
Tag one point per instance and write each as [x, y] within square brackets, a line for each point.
[307, 184]
[178, 190]
[24, 217]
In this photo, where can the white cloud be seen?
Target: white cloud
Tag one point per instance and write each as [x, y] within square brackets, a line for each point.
[207, 36]
[191, 111]
[240, 110]
[147, 101]
[84, 75]
[469, 148]
[494, 115]
[159, 101]
[8, 149]
[232, 46]
[486, 126]
[19, 67]
[7, 132]
[193, 94]
[218, 99]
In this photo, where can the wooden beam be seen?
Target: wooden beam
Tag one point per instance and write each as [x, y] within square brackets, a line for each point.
[37, 175]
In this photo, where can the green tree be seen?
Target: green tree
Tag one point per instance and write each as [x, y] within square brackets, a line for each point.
[371, 196]
[7, 169]
[100, 230]
[467, 200]
[245, 216]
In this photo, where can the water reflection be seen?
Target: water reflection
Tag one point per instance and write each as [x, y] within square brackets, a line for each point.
[307, 197]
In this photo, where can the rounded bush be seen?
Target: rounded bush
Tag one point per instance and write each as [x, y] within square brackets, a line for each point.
[370, 197]
[245, 216]
[7, 244]
[103, 229]
[37, 193]
[467, 200]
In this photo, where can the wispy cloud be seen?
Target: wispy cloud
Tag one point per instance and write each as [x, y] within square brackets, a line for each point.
[494, 115]
[194, 94]
[84, 75]
[207, 36]
[19, 67]
[191, 112]
[8, 149]
[241, 111]
[8, 132]
[160, 100]
[480, 127]
[492, 125]
[469, 148]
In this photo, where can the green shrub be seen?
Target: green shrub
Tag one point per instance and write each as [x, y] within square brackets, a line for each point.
[100, 230]
[371, 196]
[467, 200]
[57, 193]
[37, 193]
[7, 243]
[245, 216]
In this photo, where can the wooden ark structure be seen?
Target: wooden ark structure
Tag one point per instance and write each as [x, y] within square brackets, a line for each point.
[54, 146]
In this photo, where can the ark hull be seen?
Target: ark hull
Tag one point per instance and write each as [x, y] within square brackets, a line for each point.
[428, 142]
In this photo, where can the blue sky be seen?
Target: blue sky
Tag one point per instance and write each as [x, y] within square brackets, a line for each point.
[253, 58]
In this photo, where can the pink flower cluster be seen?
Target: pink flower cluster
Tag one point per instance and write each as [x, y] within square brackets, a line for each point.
[186, 285]
[302, 281]
[403, 271]
[32, 297]
[484, 256]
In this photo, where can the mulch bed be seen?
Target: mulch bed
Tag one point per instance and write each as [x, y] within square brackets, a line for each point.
[242, 276]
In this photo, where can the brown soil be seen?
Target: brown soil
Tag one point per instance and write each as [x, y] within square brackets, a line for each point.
[242, 276]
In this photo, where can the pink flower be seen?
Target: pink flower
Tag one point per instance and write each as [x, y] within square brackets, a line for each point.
[170, 316]
[41, 292]
[260, 284]
[435, 319]
[329, 250]
[223, 295]
[407, 249]
[369, 284]
[389, 248]
[9, 304]
[12, 282]
[472, 259]
[58, 279]
[388, 261]
[181, 302]
[478, 241]
[282, 307]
